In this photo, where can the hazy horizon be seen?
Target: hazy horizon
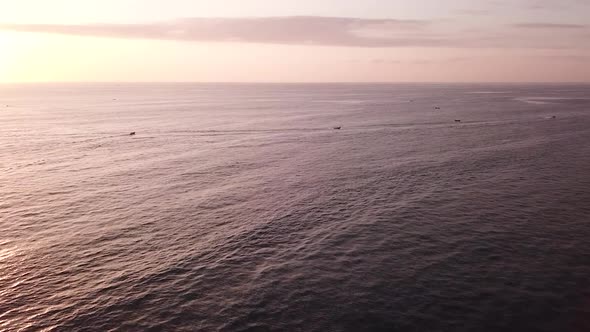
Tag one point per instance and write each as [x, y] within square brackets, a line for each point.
[524, 83]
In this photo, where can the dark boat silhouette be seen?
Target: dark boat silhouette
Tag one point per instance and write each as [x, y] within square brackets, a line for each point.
[132, 133]
[338, 128]
[457, 120]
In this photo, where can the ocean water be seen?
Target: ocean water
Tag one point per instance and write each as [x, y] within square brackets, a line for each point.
[238, 207]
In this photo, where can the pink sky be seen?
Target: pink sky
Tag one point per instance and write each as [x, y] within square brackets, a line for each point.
[288, 41]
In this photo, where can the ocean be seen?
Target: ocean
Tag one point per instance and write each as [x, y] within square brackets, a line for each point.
[239, 207]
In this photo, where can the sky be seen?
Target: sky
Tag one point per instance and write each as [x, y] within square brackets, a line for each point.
[294, 41]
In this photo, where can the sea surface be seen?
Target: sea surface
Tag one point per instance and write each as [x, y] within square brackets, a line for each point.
[238, 207]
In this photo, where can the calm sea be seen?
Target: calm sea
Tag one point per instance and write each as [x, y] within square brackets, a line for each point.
[239, 207]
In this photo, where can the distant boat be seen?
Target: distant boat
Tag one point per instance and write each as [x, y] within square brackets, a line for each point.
[132, 133]
[338, 128]
[554, 117]
[457, 120]
[437, 108]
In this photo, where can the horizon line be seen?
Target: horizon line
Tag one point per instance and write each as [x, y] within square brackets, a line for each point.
[291, 82]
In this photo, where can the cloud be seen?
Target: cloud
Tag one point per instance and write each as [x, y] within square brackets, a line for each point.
[327, 31]
[420, 61]
[312, 30]
[565, 58]
[473, 12]
[553, 5]
[549, 26]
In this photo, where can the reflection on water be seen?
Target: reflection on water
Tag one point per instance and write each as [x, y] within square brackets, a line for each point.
[239, 208]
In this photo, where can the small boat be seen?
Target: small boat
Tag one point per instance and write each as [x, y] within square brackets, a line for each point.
[338, 128]
[132, 133]
[437, 108]
[457, 120]
[554, 117]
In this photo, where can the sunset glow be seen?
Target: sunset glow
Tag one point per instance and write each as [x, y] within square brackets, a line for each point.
[294, 165]
[268, 41]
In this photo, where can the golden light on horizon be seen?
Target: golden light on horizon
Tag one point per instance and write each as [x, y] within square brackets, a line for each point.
[28, 57]
[35, 57]
[48, 57]
[8, 53]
